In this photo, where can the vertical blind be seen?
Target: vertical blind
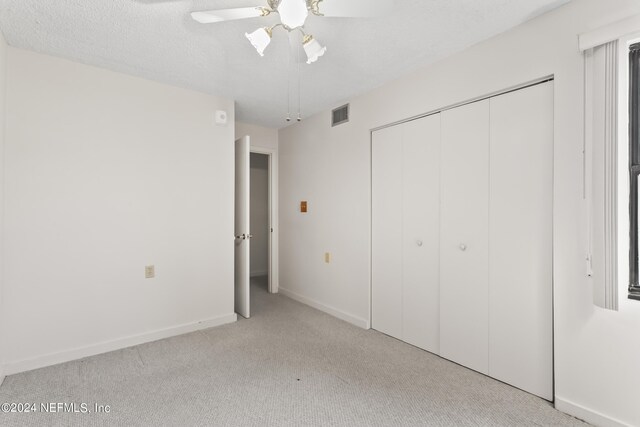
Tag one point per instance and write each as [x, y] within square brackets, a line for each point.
[601, 170]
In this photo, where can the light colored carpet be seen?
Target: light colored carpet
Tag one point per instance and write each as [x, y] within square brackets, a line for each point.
[287, 365]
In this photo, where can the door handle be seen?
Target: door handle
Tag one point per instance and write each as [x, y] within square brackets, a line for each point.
[244, 236]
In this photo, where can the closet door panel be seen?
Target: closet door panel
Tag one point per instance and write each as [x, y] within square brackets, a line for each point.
[464, 334]
[520, 260]
[421, 249]
[386, 231]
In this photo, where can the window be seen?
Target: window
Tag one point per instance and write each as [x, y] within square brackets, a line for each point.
[612, 159]
[634, 166]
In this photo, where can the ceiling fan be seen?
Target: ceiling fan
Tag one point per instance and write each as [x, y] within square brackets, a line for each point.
[293, 15]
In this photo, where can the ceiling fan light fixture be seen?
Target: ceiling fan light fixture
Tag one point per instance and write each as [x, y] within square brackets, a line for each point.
[293, 13]
[313, 48]
[260, 39]
[265, 11]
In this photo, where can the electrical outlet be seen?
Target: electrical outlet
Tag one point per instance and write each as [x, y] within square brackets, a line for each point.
[149, 272]
[327, 257]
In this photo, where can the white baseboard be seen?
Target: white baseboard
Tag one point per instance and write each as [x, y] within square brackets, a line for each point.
[586, 414]
[104, 347]
[259, 273]
[362, 323]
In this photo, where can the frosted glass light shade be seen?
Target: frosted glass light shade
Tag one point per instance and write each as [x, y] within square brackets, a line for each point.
[260, 39]
[313, 49]
[293, 13]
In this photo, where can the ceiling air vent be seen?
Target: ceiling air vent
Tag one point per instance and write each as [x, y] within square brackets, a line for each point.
[340, 115]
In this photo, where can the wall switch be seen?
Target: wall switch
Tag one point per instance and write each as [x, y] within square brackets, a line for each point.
[327, 257]
[303, 206]
[149, 272]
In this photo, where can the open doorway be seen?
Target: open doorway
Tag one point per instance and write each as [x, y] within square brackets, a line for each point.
[260, 222]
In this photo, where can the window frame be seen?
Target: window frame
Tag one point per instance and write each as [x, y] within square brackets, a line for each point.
[634, 168]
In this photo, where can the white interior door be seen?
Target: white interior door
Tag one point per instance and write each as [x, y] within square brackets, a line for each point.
[405, 231]
[421, 233]
[242, 232]
[464, 240]
[386, 228]
[520, 261]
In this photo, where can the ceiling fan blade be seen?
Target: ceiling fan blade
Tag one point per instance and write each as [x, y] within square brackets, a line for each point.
[210, 16]
[356, 8]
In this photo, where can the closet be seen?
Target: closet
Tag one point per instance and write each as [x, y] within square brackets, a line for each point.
[462, 235]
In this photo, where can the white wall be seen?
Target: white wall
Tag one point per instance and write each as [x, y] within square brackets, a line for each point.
[3, 85]
[259, 215]
[104, 174]
[596, 351]
[260, 136]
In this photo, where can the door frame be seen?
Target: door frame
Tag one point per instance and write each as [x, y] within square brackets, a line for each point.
[272, 155]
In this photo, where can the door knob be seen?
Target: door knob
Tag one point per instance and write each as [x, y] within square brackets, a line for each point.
[463, 247]
[242, 236]
[419, 242]
[250, 236]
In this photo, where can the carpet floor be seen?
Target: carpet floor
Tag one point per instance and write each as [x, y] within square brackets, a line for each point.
[288, 365]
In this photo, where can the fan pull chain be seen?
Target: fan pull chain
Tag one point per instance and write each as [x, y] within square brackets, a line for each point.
[298, 53]
[289, 82]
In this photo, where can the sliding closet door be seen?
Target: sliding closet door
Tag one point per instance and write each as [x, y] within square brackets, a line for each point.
[421, 248]
[386, 231]
[520, 260]
[464, 322]
[405, 232]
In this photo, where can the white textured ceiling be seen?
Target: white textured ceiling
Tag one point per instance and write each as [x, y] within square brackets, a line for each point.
[156, 39]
